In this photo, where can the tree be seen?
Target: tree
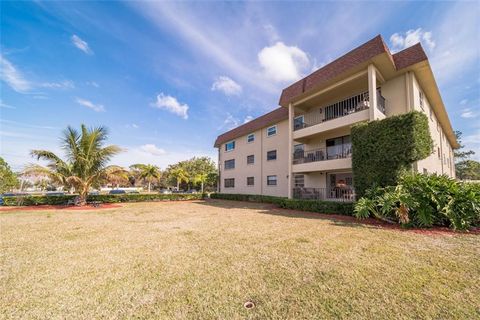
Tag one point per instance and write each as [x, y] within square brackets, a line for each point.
[180, 176]
[201, 178]
[460, 154]
[193, 168]
[465, 169]
[8, 179]
[147, 172]
[468, 170]
[86, 160]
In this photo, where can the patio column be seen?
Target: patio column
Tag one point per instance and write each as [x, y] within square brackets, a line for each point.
[372, 91]
[291, 115]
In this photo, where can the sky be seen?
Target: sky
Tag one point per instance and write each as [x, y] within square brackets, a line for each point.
[167, 78]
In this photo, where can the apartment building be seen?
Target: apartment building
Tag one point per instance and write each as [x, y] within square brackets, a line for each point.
[303, 149]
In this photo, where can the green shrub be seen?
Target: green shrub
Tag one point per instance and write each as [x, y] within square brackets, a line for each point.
[247, 197]
[107, 198]
[423, 201]
[384, 149]
[345, 208]
[293, 204]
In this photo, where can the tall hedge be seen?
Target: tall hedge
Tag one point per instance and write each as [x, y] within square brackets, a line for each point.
[384, 149]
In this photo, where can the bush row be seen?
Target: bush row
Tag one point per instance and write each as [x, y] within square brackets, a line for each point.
[247, 197]
[107, 198]
[293, 204]
[421, 200]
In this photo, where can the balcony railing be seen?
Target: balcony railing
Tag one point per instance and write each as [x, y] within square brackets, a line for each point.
[339, 109]
[327, 194]
[330, 153]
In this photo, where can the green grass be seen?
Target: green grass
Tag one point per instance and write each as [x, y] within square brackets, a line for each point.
[204, 260]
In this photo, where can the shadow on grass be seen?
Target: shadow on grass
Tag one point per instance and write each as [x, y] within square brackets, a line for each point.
[271, 209]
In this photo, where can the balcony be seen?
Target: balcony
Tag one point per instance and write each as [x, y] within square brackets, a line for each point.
[345, 112]
[323, 154]
[325, 194]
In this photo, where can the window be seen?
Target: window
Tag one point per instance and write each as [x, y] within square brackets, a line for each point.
[298, 123]
[431, 113]
[229, 164]
[421, 99]
[439, 155]
[271, 131]
[250, 181]
[298, 151]
[251, 138]
[271, 180]
[425, 171]
[229, 183]
[438, 126]
[229, 146]
[251, 159]
[299, 181]
[272, 155]
[338, 148]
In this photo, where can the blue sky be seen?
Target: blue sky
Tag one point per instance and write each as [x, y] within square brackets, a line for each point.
[167, 78]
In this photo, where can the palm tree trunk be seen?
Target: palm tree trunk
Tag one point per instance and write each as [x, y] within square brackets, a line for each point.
[149, 183]
[178, 185]
[202, 186]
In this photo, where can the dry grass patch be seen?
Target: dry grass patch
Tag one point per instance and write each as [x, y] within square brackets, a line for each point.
[204, 260]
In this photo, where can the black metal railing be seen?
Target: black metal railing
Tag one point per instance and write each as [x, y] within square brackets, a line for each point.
[338, 109]
[380, 102]
[343, 194]
[330, 153]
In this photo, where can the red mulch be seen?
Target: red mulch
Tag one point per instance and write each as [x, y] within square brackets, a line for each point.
[60, 207]
[380, 223]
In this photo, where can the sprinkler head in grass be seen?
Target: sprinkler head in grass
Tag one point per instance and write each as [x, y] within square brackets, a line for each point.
[249, 305]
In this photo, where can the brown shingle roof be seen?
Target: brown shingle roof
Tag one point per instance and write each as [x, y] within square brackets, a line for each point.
[409, 56]
[361, 54]
[350, 60]
[254, 125]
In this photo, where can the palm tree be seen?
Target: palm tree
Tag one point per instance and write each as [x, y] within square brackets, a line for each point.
[201, 178]
[181, 176]
[147, 172]
[86, 160]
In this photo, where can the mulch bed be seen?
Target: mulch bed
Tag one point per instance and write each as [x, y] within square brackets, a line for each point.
[378, 223]
[60, 207]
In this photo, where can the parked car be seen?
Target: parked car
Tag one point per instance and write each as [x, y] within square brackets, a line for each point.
[116, 191]
[55, 193]
[133, 191]
[94, 193]
[192, 191]
[165, 191]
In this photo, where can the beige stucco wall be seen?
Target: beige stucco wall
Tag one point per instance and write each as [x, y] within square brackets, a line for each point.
[261, 168]
[441, 160]
[394, 92]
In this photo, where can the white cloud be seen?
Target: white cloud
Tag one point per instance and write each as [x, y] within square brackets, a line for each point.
[172, 105]
[67, 84]
[231, 122]
[227, 86]
[90, 105]
[81, 44]
[282, 63]
[468, 113]
[4, 105]
[133, 126]
[93, 84]
[247, 119]
[12, 76]
[271, 32]
[464, 102]
[152, 149]
[402, 40]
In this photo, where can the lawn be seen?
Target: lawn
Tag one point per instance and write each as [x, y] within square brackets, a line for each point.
[204, 260]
